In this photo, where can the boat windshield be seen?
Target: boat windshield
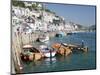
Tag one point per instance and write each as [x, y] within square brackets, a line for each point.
[46, 48]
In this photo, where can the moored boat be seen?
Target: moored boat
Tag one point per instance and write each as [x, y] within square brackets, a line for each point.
[30, 53]
[47, 51]
[43, 38]
[62, 50]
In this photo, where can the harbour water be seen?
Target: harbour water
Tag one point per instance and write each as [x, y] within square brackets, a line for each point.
[75, 61]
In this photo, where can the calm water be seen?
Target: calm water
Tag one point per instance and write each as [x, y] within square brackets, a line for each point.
[80, 61]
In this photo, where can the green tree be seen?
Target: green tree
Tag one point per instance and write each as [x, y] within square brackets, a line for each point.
[18, 3]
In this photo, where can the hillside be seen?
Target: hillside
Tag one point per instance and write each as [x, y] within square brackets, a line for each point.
[36, 17]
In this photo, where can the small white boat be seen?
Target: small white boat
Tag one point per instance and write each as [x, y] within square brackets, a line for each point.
[27, 46]
[47, 52]
[44, 38]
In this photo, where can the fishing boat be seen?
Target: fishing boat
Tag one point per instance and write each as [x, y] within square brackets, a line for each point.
[28, 52]
[25, 52]
[47, 51]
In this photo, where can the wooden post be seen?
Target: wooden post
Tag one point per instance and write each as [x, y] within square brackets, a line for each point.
[85, 49]
[64, 51]
[50, 53]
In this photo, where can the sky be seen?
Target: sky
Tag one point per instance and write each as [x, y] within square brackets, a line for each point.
[80, 14]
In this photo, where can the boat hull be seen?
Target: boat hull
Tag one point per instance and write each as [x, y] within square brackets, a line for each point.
[48, 54]
[44, 39]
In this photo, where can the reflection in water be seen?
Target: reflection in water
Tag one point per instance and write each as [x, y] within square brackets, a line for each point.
[50, 62]
[71, 62]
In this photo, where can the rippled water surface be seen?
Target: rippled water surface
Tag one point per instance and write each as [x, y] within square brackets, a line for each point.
[75, 61]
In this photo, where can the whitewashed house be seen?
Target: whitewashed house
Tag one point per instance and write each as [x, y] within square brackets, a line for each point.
[69, 27]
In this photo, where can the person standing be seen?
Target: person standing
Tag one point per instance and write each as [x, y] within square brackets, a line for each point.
[82, 43]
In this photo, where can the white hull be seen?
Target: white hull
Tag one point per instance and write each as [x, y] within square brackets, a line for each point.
[48, 54]
[44, 40]
[44, 49]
